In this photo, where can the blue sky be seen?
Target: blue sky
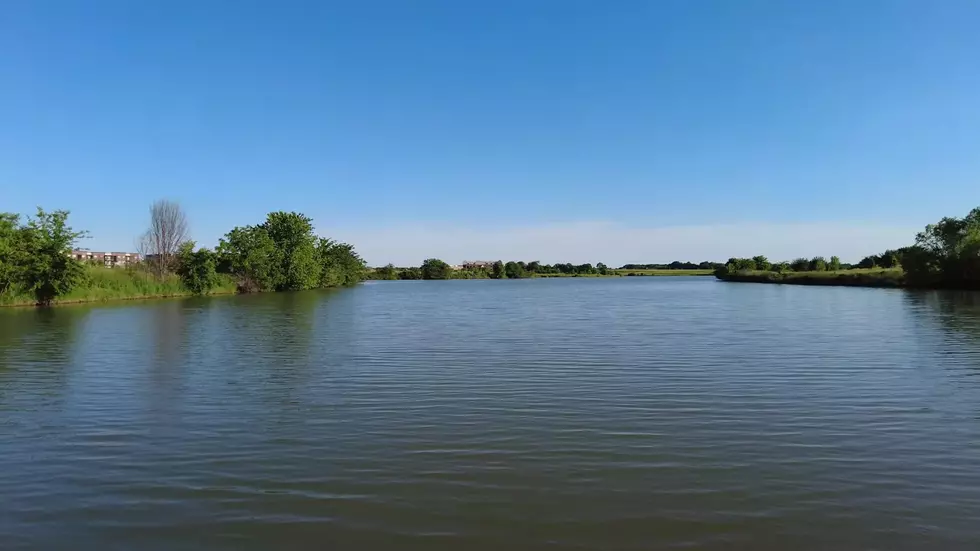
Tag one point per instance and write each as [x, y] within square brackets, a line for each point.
[552, 129]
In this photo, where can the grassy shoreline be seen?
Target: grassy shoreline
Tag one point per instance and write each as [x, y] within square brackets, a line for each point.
[884, 278]
[111, 284]
[659, 273]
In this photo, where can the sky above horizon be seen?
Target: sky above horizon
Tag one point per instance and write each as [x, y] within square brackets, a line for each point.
[557, 130]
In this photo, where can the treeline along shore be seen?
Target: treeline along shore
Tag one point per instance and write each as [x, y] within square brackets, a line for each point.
[39, 265]
[282, 253]
[945, 255]
[435, 268]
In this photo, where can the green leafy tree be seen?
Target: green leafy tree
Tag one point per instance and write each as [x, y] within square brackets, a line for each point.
[47, 267]
[513, 270]
[296, 257]
[818, 264]
[197, 269]
[498, 270]
[800, 265]
[433, 268]
[781, 267]
[339, 264]
[249, 254]
[533, 267]
[386, 272]
[602, 269]
[735, 265]
[834, 264]
[410, 273]
[762, 263]
[868, 262]
[9, 250]
[946, 253]
[889, 259]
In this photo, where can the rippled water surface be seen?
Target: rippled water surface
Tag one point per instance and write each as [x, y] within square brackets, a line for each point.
[633, 413]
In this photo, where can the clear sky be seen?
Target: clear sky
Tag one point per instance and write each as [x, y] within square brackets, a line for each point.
[558, 130]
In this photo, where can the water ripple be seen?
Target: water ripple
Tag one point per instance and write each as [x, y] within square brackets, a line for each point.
[632, 413]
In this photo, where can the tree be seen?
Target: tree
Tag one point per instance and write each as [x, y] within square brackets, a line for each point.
[800, 265]
[868, 262]
[10, 250]
[47, 267]
[602, 268]
[781, 267]
[889, 259]
[818, 264]
[533, 266]
[296, 266]
[249, 254]
[410, 273]
[513, 270]
[762, 263]
[433, 268]
[196, 268]
[946, 253]
[161, 242]
[339, 264]
[735, 265]
[498, 270]
[386, 272]
[834, 264]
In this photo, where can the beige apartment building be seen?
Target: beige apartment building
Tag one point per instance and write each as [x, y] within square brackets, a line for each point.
[107, 259]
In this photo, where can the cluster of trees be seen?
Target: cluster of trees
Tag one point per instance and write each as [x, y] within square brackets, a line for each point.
[283, 253]
[35, 255]
[433, 268]
[761, 263]
[945, 254]
[675, 265]
[892, 258]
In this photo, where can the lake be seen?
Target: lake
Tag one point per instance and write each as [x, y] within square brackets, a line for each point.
[621, 413]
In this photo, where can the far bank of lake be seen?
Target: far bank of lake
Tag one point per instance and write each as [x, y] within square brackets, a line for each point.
[888, 278]
[882, 278]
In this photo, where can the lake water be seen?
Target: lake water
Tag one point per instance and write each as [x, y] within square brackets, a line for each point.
[631, 413]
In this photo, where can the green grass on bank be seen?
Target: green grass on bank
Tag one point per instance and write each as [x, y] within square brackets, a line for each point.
[104, 284]
[662, 272]
[872, 277]
[548, 276]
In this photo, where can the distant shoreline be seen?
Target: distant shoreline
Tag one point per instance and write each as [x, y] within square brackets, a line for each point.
[847, 278]
[376, 275]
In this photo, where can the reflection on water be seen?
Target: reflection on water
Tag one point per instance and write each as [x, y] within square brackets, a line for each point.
[630, 413]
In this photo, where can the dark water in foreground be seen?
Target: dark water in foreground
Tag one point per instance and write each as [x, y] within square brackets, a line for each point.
[639, 413]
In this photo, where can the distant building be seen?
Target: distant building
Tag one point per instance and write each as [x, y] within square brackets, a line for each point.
[109, 260]
[474, 264]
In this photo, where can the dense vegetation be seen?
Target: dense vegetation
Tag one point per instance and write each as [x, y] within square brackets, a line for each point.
[675, 265]
[945, 254]
[34, 256]
[283, 253]
[434, 268]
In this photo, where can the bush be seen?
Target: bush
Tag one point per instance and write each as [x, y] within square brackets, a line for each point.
[197, 269]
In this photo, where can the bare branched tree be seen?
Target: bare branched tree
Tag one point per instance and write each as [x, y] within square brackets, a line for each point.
[168, 229]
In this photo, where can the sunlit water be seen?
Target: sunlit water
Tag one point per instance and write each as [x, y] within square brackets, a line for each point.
[632, 413]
